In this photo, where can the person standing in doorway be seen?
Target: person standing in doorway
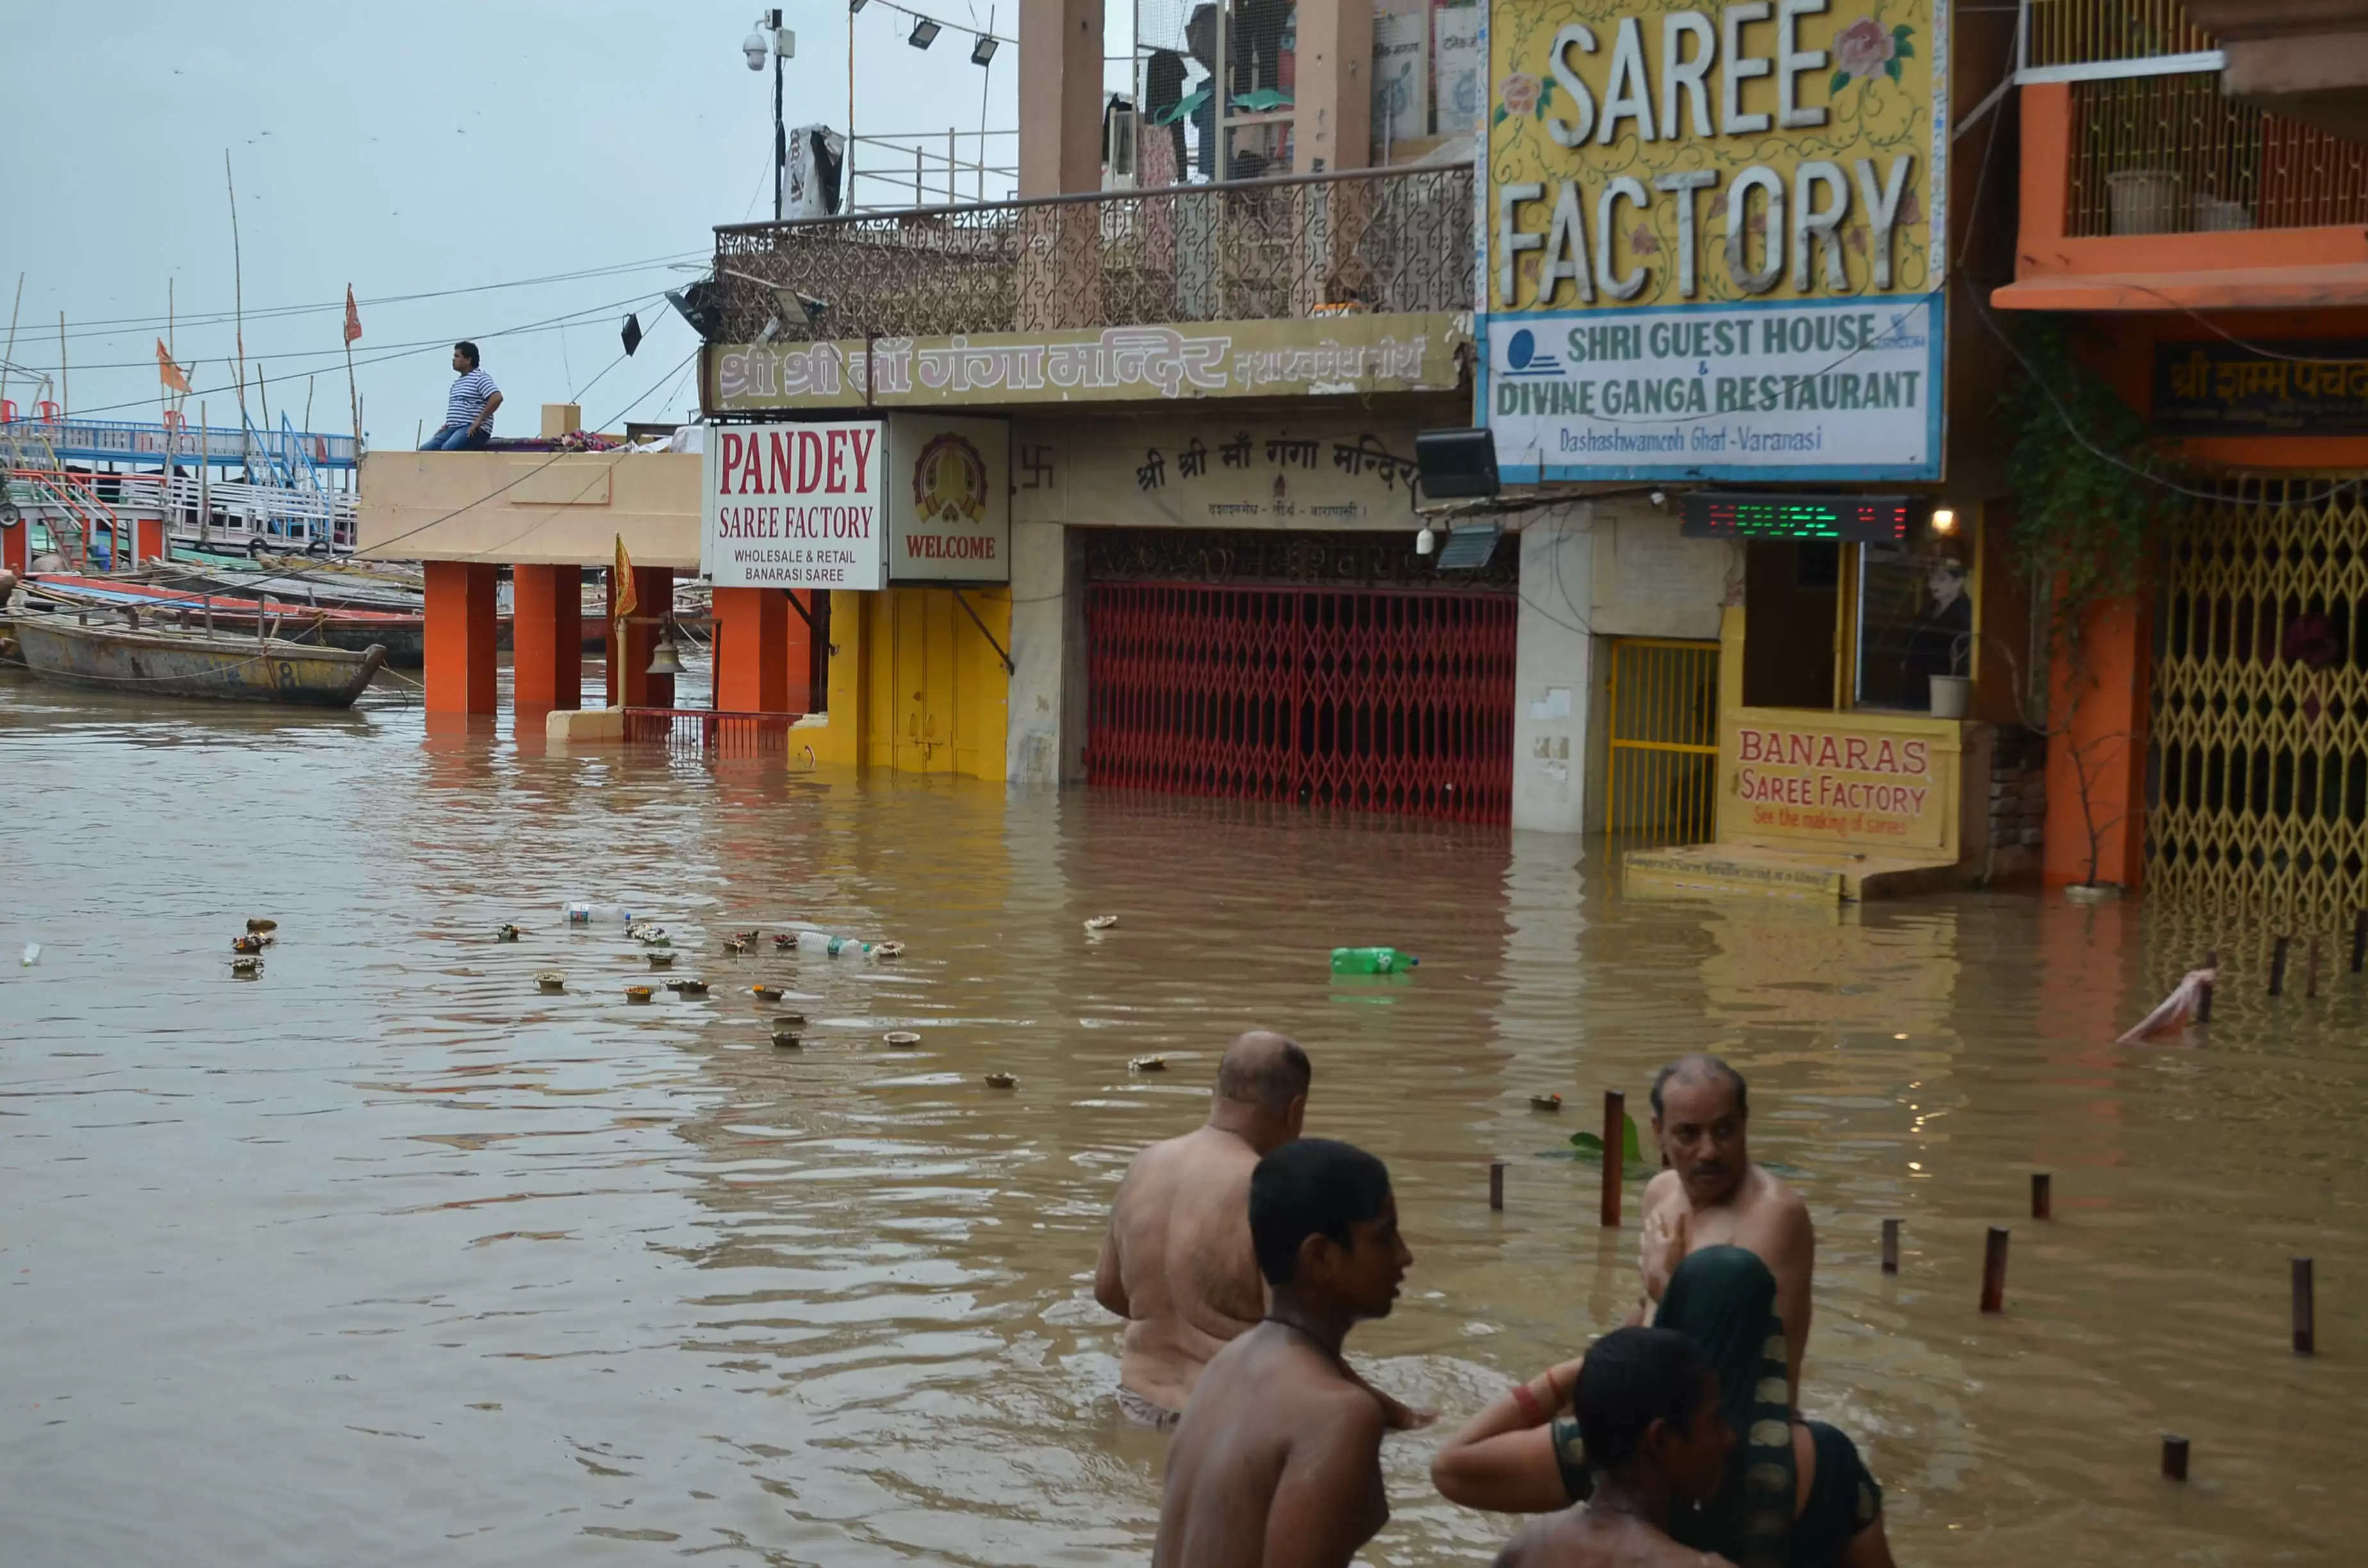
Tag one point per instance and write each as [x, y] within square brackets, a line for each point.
[468, 409]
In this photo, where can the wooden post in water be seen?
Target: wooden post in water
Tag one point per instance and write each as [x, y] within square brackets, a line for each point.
[1891, 1247]
[2174, 1457]
[1615, 1152]
[1994, 1270]
[2204, 1002]
[2305, 1309]
[2043, 1200]
[2278, 966]
[1495, 1184]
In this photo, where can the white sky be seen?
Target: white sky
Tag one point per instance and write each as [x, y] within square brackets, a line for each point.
[419, 147]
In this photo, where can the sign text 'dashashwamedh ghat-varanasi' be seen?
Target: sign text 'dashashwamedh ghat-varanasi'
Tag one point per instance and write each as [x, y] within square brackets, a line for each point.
[1714, 239]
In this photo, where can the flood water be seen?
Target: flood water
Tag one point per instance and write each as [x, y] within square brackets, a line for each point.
[384, 1257]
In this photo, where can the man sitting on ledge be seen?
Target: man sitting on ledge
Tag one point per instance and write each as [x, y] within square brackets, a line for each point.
[469, 411]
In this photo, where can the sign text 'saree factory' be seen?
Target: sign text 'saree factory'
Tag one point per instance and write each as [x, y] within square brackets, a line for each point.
[1714, 239]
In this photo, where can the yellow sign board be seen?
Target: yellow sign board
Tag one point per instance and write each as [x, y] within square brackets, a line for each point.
[1714, 238]
[1353, 354]
[1873, 783]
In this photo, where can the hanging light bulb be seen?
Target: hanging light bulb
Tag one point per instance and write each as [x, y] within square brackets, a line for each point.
[1424, 542]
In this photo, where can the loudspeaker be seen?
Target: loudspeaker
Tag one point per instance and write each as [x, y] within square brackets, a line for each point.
[1456, 464]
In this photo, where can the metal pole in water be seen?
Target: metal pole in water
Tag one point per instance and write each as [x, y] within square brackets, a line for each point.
[1891, 1247]
[1994, 1271]
[1495, 1184]
[1615, 1149]
[2278, 966]
[2310, 968]
[2358, 939]
[2174, 1457]
[2204, 1002]
[2305, 1309]
[2042, 1200]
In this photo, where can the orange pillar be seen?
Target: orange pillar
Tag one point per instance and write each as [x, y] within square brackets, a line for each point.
[147, 540]
[2048, 124]
[2096, 751]
[547, 637]
[12, 546]
[752, 663]
[461, 627]
[630, 683]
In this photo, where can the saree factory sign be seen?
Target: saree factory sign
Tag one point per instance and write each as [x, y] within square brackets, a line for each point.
[1714, 239]
[1357, 353]
[1870, 780]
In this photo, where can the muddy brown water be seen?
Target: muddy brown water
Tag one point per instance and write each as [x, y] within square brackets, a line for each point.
[384, 1257]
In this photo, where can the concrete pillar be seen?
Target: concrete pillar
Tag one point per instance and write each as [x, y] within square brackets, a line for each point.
[630, 683]
[459, 636]
[2096, 747]
[1044, 737]
[1333, 112]
[752, 668]
[1061, 81]
[546, 637]
[560, 418]
[1554, 671]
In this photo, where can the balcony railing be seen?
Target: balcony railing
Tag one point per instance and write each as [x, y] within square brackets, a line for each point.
[1397, 240]
[2089, 32]
[2169, 155]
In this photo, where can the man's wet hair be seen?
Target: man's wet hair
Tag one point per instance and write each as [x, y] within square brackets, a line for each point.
[1269, 1079]
[1701, 1064]
[469, 351]
[1310, 1187]
[1631, 1378]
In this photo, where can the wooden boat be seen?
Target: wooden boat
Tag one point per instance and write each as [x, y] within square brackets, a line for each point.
[60, 648]
[404, 637]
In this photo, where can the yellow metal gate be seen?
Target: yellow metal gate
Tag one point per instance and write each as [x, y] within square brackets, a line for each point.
[1664, 739]
[2257, 758]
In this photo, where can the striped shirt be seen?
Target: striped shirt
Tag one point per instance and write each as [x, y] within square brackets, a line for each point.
[470, 394]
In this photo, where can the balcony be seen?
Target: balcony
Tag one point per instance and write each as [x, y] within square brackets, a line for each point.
[2144, 188]
[1382, 241]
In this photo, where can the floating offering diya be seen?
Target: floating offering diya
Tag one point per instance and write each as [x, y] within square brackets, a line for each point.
[506, 933]
[1546, 1102]
[661, 960]
[552, 981]
[1000, 1080]
[637, 993]
[900, 1039]
[1149, 1064]
[736, 946]
[785, 1040]
[887, 949]
[246, 968]
[691, 987]
[791, 1021]
[786, 940]
[1101, 923]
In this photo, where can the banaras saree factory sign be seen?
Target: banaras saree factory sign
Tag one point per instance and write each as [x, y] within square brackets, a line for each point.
[1714, 239]
[1871, 780]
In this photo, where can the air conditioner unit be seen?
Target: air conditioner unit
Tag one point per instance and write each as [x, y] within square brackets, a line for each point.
[1118, 146]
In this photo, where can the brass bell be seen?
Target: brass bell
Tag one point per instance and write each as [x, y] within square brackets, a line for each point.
[664, 660]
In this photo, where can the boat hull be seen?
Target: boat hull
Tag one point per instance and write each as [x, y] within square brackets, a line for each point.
[103, 659]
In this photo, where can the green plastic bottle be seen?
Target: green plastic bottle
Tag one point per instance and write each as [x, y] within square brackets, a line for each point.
[1371, 960]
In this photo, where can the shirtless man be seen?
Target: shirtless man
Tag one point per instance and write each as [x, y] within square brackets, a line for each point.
[1276, 1465]
[1177, 1264]
[1655, 1440]
[1713, 1195]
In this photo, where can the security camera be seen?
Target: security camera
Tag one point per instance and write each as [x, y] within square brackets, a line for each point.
[752, 45]
[1658, 497]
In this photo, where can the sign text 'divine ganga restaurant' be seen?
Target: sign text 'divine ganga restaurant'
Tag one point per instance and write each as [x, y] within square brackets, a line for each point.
[1714, 239]
[862, 504]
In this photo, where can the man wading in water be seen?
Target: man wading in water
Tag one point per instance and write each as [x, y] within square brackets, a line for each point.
[1713, 1196]
[1177, 1263]
[1276, 1465]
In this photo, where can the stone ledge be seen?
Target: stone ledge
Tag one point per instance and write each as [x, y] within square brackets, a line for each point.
[585, 726]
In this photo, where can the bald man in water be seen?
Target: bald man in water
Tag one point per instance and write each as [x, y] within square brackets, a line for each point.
[1177, 1263]
[1713, 1195]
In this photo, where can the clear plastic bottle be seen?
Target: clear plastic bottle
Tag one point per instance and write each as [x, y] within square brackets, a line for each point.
[823, 942]
[1371, 960]
[580, 914]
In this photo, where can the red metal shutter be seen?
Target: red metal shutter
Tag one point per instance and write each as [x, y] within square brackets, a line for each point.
[1364, 699]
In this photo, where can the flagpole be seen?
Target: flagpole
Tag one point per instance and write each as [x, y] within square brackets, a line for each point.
[352, 331]
[66, 404]
[237, 286]
[11, 354]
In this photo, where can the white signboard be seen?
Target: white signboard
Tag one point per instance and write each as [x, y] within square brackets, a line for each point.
[795, 505]
[1804, 390]
[1401, 76]
[950, 500]
[1455, 66]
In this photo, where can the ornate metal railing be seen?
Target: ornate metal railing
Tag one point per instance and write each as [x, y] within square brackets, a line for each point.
[1249, 250]
[2170, 154]
[727, 734]
[2084, 32]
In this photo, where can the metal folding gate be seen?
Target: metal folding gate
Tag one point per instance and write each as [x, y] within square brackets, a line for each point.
[1664, 739]
[2258, 756]
[1365, 699]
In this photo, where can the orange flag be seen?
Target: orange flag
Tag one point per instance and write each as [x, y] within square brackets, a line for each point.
[172, 375]
[621, 587]
[353, 316]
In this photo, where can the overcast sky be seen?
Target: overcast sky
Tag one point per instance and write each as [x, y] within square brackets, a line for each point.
[413, 149]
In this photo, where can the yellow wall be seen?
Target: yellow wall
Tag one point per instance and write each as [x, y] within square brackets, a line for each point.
[540, 508]
[914, 686]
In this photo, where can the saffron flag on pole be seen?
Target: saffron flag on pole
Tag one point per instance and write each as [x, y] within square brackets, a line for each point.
[353, 316]
[169, 373]
[621, 597]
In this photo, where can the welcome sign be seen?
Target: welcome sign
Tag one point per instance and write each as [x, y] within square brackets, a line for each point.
[1714, 239]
